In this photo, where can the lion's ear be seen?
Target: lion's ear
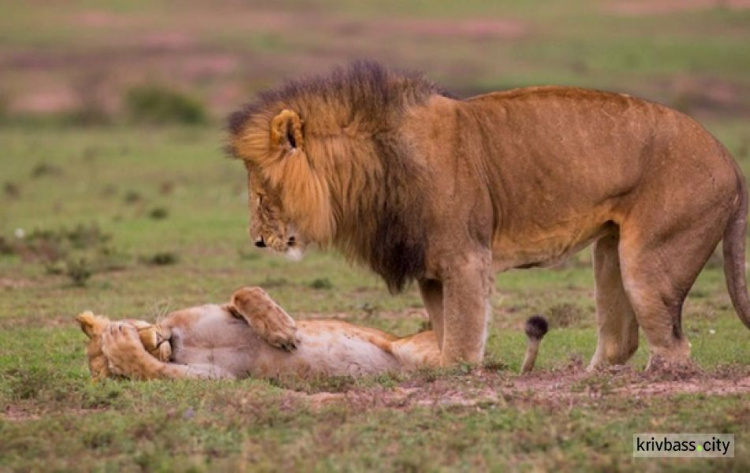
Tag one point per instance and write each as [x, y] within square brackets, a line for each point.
[286, 130]
[92, 325]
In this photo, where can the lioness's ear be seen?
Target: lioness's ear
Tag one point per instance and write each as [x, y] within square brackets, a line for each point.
[91, 324]
[286, 130]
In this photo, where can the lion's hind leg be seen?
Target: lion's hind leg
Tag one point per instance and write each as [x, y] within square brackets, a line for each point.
[617, 325]
[658, 270]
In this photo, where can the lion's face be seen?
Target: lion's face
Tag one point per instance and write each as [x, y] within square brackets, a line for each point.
[289, 196]
[269, 227]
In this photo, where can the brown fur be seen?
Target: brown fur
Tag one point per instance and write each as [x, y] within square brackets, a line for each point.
[418, 185]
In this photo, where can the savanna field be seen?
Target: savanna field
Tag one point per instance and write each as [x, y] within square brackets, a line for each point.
[117, 197]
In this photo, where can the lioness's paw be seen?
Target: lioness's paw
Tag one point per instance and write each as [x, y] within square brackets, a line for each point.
[285, 338]
[124, 350]
[269, 321]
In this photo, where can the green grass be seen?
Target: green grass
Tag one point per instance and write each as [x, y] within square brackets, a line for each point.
[46, 393]
[167, 194]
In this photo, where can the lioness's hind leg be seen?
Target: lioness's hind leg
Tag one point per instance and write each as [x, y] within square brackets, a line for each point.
[617, 326]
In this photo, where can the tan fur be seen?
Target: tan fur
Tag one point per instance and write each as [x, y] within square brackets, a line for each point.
[243, 338]
[420, 186]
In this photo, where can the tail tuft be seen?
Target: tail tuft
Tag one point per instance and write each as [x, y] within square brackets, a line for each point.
[536, 327]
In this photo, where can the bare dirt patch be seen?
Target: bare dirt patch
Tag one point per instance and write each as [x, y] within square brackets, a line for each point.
[8, 283]
[570, 386]
[17, 414]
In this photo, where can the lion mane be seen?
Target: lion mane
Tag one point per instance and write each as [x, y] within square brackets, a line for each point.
[350, 203]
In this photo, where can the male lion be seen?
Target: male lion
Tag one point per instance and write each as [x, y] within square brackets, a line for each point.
[422, 186]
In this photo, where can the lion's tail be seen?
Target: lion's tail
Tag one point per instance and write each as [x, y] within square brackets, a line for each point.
[734, 257]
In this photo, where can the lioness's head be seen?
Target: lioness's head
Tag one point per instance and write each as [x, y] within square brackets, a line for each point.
[155, 339]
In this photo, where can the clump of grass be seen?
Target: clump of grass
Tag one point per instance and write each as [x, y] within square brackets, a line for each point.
[157, 104]
[369, 309]
[77, 253]
[567, 315]
[331, 384]
[45, 169]
[158, 213]
[131, 197]
[79, 271]
[162, 258]
[11, 190]
[321, 283]
[6, 247]
[275, 282]
[166, 188]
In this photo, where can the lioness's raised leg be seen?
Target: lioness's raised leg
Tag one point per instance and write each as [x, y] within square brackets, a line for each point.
[618, 328]
[432, 295]
[466, 308]
[266, 317]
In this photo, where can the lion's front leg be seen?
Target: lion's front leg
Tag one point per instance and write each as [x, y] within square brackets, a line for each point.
[466, 309]
[432, 296]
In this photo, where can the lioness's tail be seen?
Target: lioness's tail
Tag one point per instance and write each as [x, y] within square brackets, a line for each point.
[734, 256]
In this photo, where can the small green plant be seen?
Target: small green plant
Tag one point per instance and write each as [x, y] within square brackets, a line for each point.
[321, 283]
[12, 190]
[6, 247]
[566, 315]
[131, 197]
[163, 258]
[158, 213]
[45, 169]
[156, 104]
[79, 271]
[275, 282]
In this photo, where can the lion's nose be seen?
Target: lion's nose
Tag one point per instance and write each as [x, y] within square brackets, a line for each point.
[260, 242]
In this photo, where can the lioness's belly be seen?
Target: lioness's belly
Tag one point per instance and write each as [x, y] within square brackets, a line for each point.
[210, 336]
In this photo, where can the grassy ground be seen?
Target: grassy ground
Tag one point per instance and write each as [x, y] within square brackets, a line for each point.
[163, 226]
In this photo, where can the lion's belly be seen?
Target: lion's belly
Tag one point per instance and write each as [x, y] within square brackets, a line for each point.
[529, 246]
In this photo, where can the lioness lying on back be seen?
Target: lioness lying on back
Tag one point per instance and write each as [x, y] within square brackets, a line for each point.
[249, 337]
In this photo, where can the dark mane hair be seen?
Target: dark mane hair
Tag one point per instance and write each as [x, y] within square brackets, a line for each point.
[373, 185]
[365, 88]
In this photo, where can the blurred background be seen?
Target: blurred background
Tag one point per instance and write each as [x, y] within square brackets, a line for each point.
[112, 128]
[113, 61]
